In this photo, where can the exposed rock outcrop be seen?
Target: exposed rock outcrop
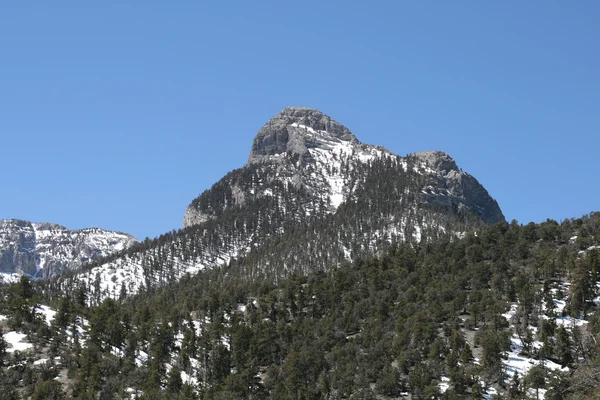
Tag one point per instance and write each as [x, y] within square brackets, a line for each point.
[293, 130]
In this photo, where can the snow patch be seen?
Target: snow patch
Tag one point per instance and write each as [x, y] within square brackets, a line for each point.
[9, 278]
[16, 341]
[444, 384]
[48, 313]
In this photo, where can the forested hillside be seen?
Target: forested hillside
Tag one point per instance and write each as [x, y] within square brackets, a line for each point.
[510, 311]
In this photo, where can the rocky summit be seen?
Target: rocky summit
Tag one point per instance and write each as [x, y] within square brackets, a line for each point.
[293, 130]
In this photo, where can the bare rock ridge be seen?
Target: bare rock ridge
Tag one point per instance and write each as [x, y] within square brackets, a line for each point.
[44, 249]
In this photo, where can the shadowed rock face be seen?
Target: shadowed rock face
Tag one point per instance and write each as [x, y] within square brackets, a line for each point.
[279, 136]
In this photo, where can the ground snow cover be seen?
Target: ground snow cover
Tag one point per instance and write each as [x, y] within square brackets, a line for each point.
[47, 312]
[16, 342]
[510, 313]
[559, 308]
[108, 280]
[522, 364]
[444, 384]
[518, 363]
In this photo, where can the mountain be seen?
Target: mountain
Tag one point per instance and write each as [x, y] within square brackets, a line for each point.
[331, 269]
[311, 196]
[44, 250]
[306, 149]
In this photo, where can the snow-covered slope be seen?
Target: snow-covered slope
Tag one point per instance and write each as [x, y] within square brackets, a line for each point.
[45, 250]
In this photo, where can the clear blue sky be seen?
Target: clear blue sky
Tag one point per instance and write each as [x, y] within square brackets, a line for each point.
[118, 114]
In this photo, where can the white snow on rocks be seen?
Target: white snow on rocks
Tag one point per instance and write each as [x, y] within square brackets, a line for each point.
[9, 278]
[329, 153]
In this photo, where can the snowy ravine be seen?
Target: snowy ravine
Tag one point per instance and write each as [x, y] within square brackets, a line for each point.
[327, 174]
[43, 250]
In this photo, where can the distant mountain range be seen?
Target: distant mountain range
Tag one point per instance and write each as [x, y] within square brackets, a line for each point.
[43, 250]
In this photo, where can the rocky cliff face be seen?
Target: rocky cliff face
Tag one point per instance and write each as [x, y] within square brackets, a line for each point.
[43, 250]
[17, 241]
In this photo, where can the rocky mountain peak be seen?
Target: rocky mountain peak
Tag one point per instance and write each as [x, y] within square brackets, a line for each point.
[437, 160]
[311, 197]
[294, 130]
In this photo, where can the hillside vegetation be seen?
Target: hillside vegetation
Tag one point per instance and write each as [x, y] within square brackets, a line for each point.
[511, 311]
